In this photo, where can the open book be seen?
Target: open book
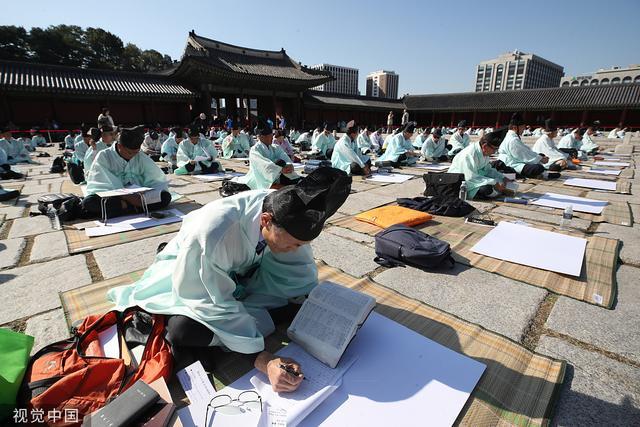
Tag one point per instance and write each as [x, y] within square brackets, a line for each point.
[150, 195]
[328, 321]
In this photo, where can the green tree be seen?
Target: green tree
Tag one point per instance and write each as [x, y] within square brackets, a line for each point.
[58, 44]
[131, 58]
[152, 60]
[13, 43]
[104, 49]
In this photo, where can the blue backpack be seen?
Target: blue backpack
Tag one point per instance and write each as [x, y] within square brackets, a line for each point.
[399, 246]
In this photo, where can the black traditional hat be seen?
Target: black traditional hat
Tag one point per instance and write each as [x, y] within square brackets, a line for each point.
[437, 132]
[303, 208]
[132, 138]
[549, 125]
[495, 138]
[262, 127]
[462, 124]
[352, 127]
[178, 131]
[581, 131]
[409, 127]
[516, 120]
[153, 135]
[194, 131]
[94, 133]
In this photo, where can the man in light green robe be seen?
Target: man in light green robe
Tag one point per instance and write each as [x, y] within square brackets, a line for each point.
[435, 147]
[268, 163]
[234, 263]
[545, 145]
[364, 141]
[234, 145]
[516, 156]
[347, 155]
[588, 146]
[459, 140]
[197, 156]
[15, 150]
[419, 140]
[122, 165]
[400, 151]
[170, 146]
[481, 178]
[95, 146]
[322, 145]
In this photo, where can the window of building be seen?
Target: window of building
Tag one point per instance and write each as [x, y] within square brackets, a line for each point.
[584, 82]
[615, 80]
[637, 79]
[565, 84]
[594, 82]
[627, 79]
[575, 83]
[604, 82]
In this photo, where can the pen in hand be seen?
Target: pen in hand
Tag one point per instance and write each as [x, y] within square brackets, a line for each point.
[290, 370]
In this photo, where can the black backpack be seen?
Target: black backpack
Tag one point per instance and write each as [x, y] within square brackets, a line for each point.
[229, 188]
[438, 205]
[400, 245]
[443, 184]
[58, 165]
[312, 165]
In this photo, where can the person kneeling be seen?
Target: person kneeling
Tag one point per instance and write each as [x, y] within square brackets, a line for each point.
[198, 156]
[347, 156]
[122, 165]
[483, 181]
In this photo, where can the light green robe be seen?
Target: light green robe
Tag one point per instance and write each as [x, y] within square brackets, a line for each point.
[170, 150]
[476, 168]
[79, 151]
[432, 150]
[569, 141]
[322, 143]
[398, 146]
[515, 154]
[263, 171]
[588, 144]
[458, 142]
[364, 143]
[91, 154]
[38, 141]
[207, 273]
[110, 171]
[16, 150]
[235, 146]
[188, 151]
[545, 145]
[418, 141]
[346, 152]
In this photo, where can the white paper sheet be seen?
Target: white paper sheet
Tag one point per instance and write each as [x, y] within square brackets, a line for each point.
[201, 159]
[389, 384]
[132, 222]
[210, 177]
[533, 247]
[110, 342]
[613, 172]
[389, 177]
[298, 165]
[150, 195]
[196, 384]
[608, 163]
[438, 167]
[591, 183]
[580, 204]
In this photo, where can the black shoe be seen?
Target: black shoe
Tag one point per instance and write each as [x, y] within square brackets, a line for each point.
[8, 195]
[160, 247]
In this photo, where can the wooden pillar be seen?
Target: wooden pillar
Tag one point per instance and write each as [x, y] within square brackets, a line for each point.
[585, 118]
[433, 118]
[623, 118]
[498, 120]
[473, 120]
[453, 119]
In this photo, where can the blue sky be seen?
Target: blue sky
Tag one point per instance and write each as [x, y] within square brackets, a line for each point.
[433, 46]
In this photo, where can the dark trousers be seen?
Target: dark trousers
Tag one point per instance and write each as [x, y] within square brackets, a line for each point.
[484, 192]
[357, 170]
[7, 173]
[572, 152]
[402, 158]
[532, 170]
[285, 180]
[556, 167]
[76, 172]
[203, 167]
[190, 339]
[92, 206]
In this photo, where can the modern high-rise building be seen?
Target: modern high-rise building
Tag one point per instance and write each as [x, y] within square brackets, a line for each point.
[517, 70]
[614, 75]
[382, 84]
[346, 81]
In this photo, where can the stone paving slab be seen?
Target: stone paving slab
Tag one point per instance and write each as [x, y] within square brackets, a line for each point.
[177, 182]
[613, 197]
[10, 251]
[352, 235]
[30, 226]
[411, 188]
[12, 212]
[616, 330]
[497, 303]
[204, 198]
[353, 258]
[630, 238]
[359, 202]
[598, 391]
[360, 186]
[49, 246]
[194, 188]
[121, 259]
[47, 328]
[33, 289]
[31, 188]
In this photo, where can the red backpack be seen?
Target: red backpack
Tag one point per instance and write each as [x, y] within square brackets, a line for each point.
[73, 377]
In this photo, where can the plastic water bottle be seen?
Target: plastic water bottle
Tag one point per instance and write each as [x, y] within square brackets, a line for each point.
[567, 216]
[463, 191]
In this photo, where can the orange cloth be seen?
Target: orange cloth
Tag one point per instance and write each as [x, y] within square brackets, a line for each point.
[576, 161]
[387, 216]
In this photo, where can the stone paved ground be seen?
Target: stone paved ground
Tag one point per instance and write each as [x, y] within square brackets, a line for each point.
[601, 347]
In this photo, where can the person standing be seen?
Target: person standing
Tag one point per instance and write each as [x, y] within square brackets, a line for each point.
[405, 117]
[390, 122]
[105, 118]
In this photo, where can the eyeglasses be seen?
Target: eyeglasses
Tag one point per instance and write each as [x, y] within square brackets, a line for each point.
[247, 401]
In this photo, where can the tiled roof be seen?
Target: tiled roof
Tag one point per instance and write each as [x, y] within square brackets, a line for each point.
[336, 101]
[246, 62]
[565, 98]
[42, 78]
